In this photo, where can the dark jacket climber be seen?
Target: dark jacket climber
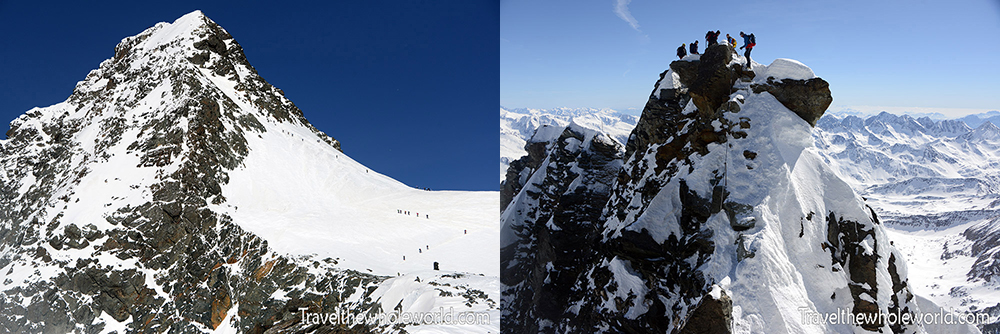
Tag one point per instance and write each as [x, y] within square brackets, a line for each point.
[694, 48]
[681, 52]
[712, 37]
[749, 41]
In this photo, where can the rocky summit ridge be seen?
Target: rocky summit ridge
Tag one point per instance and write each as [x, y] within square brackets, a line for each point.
[113, 213]
[717, 216]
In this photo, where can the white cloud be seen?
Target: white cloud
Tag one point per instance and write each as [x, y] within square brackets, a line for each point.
[621, 9]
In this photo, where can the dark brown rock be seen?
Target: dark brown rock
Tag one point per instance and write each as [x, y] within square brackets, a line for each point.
[714, 81]
[713, 316]
[806, 98]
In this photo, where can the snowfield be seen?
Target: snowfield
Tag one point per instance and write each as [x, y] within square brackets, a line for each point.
[304, 197]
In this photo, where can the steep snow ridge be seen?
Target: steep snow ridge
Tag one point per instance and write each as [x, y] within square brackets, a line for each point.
[788, 181]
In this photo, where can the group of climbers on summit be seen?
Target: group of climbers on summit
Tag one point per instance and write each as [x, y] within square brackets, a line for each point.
[712, 37]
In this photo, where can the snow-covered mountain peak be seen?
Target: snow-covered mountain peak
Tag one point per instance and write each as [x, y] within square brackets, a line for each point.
[722, 217]
[986, 131]
[182, 30]
[176, 188]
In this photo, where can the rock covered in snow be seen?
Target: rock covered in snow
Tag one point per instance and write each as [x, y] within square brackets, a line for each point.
[518, 125]
[784, 68]
[720, 194]
[796, 87]
[551, 220]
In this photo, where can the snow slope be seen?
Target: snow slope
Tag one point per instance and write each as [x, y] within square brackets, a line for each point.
[305, 197]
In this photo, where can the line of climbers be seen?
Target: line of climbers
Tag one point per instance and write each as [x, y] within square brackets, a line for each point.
[404, 212]
[712, 37]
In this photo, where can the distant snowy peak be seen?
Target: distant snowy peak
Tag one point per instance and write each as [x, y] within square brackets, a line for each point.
[986, 131]
[883, 153]
[524, 121]
[570, 112]
[977, 119]
[909, 125]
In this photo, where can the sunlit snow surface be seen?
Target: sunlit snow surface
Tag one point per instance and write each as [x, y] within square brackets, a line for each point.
[304, 197]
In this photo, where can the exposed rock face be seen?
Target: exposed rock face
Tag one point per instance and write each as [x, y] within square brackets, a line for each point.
[705, 195]
[553, 222]
[714, 81]
[520, 170]
[807, 98]
[713, 316]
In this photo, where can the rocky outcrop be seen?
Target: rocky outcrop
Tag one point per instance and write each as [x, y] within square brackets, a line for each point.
[714, 315]
[807, 98]
[714, 81]
[520, 169]
[554, 220]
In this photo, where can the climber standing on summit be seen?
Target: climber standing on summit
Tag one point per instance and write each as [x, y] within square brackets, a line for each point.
[712, 37]
[749, 41]
[694, 48]
[681, 52]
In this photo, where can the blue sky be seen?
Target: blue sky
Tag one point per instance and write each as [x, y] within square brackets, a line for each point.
[900, 56]
[406, 86]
